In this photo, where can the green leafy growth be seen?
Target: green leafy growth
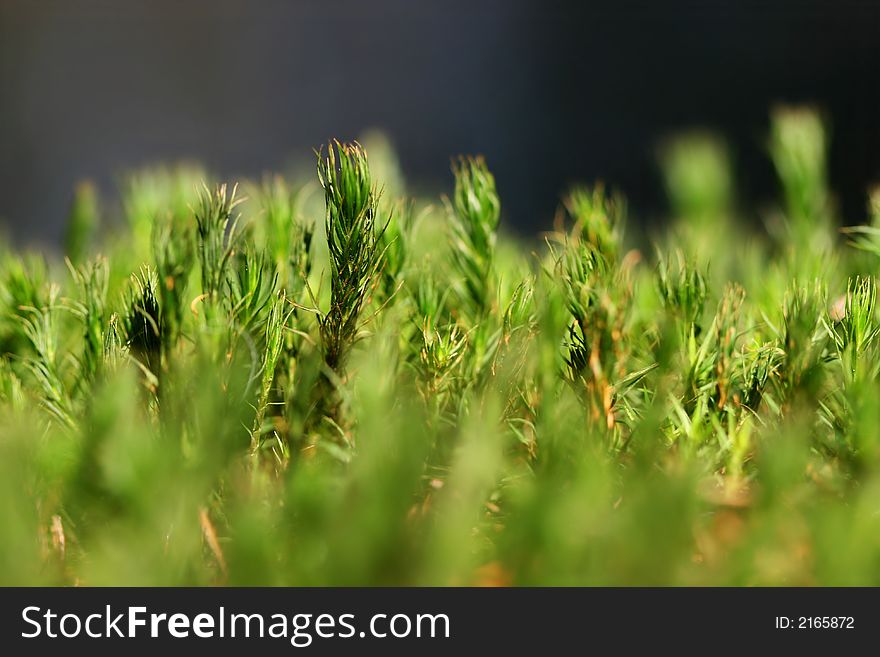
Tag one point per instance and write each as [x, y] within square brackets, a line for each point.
[855, 333]
[682, 289]
[798, 147]
[476, 211]
[217, 232]
[276, 323]
[40, 327]
[90, 309]
[457, 405]
[82, 222]
[353, 237]
[697, 173]
[599, 219]
[142, 323]
[173, 247]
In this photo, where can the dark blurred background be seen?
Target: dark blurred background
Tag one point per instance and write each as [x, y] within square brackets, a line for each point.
[551, 91]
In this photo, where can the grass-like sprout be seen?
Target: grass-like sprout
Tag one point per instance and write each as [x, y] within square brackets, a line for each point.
[798, 146]
[276, 323]
[803, 339]
[682, 289]
[353, 232]
[39, 325]
[142, 324]
[92, 282]
[598, 218]
[476, 212]
[596, 295]
[173, 246]
[252, 284]
[217, 229]
[396, 241]
[856, 332]
[82, 222]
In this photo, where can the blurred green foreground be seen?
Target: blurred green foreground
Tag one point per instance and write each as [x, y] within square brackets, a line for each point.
[328, 384]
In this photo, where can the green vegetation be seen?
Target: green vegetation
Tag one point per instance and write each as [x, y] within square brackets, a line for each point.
[220, 387]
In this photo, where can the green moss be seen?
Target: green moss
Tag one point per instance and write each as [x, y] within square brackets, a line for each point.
[416, 397]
